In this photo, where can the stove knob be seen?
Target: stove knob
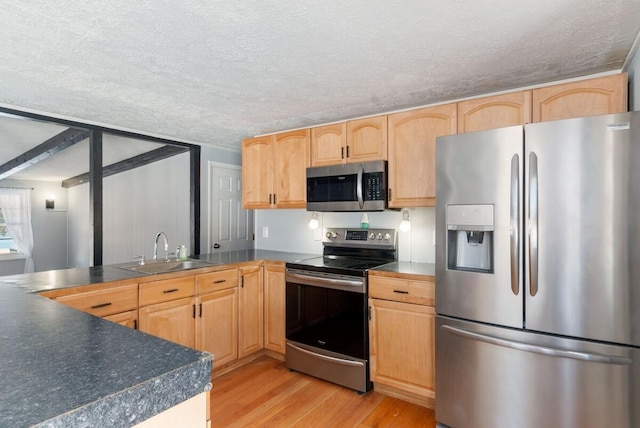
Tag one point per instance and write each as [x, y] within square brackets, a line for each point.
[379, 235]
[387, 236]
[328, 235]
[372, 235]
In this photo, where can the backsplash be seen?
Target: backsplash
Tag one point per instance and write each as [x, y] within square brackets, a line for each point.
[288, 230]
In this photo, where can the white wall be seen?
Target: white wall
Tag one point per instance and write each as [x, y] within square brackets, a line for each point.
[288, 230]
[49, 227]
[634, 79]
[137, 205]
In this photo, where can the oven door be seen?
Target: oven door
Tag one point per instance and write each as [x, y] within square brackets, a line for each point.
[327, 329]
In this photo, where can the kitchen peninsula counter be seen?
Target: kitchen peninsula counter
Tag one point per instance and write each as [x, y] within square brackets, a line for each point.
[63, 368]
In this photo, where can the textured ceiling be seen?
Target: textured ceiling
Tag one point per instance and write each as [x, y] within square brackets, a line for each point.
[214, 72]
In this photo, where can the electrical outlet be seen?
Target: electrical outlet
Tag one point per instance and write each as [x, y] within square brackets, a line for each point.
[265, 231]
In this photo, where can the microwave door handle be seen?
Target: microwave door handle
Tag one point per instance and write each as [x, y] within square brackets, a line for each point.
[359, 186]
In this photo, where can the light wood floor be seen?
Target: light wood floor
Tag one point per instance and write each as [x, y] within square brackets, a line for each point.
[265, 393]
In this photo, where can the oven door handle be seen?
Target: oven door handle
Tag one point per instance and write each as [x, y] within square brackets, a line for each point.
[338, 283]
[326, 357]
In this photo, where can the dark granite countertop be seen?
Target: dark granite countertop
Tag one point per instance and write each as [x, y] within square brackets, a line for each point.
[252, 255]
[63, 278]
[63, 368]
[409, 268]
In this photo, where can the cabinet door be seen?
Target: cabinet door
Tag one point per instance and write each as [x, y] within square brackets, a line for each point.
[250, 311]
[274, 308]
[127, 319]
[173, 321]
[602, 95]
[328, 144]
[367, 139]
[412, 154]
[402, 346]
[291, 162]
[257, 172]
[494, 112]
[217, 325]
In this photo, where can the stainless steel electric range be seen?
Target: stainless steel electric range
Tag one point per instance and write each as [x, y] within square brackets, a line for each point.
[326, 305]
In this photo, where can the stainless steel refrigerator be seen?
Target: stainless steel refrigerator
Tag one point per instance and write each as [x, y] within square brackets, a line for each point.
[538, 275]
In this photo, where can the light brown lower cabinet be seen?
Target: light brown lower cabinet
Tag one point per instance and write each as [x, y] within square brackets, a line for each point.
[173, 320]
[217, 325]
[274, 308]
[168, 309]
[115, 303]
[250, 311]
[402, 339]
[127, 319]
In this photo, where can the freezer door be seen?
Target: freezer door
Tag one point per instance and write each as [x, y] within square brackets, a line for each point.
[489, 377]
[478, 213]
[582, 258]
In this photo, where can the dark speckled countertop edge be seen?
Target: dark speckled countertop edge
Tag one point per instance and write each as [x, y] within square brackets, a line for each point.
[125, 409]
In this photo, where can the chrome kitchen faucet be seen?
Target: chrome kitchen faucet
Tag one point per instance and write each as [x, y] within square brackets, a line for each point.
[166, 246]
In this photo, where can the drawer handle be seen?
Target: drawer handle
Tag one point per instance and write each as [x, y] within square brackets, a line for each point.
[220, 281]
[400, 291]
[101, 305]
[173, 290]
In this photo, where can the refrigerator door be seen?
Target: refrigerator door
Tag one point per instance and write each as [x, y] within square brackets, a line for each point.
[489, 377]
[582, 246]
[478, 217]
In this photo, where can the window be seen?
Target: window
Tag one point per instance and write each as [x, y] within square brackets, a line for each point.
[6, 243]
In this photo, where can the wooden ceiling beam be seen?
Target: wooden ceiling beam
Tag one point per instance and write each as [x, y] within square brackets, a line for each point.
[128, 164]
[53, 145]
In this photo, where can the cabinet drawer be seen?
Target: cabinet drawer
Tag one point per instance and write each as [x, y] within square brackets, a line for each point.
[403, 290]
[216, 281]
[166, 290]
[104, 302]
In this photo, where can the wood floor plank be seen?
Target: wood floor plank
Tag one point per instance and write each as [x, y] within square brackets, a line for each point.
[264, 393]
[351, 407]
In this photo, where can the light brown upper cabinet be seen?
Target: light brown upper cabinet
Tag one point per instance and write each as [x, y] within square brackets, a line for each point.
[274, 170]
[494, 112]
[602, 95]
[329, 144]
[353, 141]
[367, 139]
[257, 172]
[412, 154]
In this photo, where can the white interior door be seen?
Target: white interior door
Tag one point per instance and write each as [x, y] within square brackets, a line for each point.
[230, 226]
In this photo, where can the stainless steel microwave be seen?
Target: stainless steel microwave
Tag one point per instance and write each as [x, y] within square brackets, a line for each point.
[349, 187]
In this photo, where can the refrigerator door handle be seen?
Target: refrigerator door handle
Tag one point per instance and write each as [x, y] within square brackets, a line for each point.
[544, 350]
[515, 221]
[533, 224]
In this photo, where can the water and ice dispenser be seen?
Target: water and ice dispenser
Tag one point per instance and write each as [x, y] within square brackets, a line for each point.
[470, 237]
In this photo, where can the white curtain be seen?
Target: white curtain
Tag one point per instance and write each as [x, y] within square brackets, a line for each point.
[16, 210]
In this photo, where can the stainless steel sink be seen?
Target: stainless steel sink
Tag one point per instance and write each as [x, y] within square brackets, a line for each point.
[162, 266]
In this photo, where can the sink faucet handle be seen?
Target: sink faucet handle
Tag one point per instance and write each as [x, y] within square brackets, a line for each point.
[140, 259]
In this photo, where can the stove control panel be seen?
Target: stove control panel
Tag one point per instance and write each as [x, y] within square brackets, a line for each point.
[361, 238]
